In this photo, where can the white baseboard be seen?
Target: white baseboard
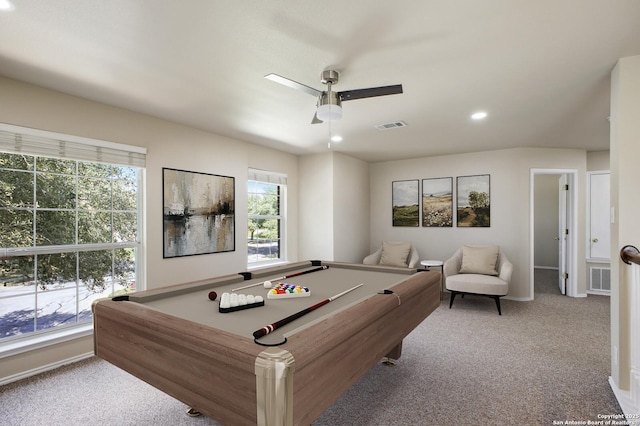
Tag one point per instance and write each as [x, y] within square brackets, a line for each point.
[634, 377]
[629, 407]
[44, 368]
[518, 299]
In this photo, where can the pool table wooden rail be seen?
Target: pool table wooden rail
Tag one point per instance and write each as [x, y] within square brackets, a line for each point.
[176, 356]
[370, 331]
[226, 376]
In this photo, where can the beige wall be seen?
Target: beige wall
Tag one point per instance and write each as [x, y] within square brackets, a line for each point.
[168, 145]
[546, 217]
[510, 205]
[334, 207]
[597, 161]
[351, 209]
[315, 233]
[625, 199]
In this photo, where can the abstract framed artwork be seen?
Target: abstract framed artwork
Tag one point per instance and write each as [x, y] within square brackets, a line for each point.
[437, 202]
[473, 196]
[198, 213]
[405, 199]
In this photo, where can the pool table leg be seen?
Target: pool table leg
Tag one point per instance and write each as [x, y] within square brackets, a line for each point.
[192, 412]
[274, 369]
[393, 355]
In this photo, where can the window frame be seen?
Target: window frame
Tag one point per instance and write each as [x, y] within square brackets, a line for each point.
[40, 143]
[280, 181]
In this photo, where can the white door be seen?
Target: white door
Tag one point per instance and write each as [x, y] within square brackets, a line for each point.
[599, 222]
[563, 232]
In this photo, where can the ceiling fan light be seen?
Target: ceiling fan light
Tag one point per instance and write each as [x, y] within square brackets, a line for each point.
[328, 112]
[6, 5]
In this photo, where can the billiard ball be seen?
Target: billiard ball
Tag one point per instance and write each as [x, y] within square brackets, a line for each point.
[213, 295]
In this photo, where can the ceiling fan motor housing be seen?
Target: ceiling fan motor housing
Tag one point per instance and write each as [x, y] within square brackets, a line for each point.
[329, 77]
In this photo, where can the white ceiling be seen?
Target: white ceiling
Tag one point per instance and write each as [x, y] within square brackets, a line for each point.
[541, 69]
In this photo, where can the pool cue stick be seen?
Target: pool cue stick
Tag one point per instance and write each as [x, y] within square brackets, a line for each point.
[269, 328]
[284, 277]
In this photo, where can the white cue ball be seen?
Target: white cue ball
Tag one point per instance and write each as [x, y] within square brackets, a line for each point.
[267, 284]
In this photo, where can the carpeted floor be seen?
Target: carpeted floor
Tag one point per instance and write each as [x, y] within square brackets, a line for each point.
[540, 362]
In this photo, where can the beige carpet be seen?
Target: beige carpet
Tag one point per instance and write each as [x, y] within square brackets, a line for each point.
[540, 361]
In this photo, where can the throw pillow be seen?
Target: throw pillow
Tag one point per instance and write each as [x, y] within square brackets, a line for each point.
[479, 260]
[395, 254]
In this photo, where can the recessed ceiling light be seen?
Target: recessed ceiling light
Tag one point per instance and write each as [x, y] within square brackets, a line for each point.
[480, 115]
[6, 5]
[336, 138]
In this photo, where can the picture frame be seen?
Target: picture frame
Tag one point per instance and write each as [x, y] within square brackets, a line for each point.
[437, 202]
[473, 201]
[405, 202]
[198, 213]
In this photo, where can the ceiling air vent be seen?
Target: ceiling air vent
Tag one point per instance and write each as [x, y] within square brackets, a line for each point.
[393, 125]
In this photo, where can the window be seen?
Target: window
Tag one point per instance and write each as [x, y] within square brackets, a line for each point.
[266, 219]
[69, 228]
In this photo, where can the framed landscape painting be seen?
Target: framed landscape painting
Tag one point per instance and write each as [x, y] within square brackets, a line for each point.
[473, 201]
[198, 213]
[405, 203]
[437, 202]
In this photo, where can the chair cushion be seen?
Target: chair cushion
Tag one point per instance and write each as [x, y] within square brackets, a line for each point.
[479, 260]
[478, 284]
[395, 254]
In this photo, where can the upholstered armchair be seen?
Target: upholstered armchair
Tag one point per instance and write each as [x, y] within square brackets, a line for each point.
[394, 253]
[480, 270]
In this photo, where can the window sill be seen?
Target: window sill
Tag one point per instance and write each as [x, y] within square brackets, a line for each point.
[19, 346]
[260, 265]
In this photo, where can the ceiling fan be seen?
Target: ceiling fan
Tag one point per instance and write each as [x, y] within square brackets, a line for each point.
[330, 102]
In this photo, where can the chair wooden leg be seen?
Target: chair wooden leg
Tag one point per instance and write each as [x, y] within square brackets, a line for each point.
[497, 299]
[454, 293]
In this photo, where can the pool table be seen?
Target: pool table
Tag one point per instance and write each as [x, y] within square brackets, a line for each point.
[177, 340]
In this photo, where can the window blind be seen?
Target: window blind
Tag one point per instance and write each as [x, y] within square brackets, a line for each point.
[17, 140]
[267, 177]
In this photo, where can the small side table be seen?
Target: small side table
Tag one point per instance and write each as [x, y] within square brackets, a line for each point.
[428, 264]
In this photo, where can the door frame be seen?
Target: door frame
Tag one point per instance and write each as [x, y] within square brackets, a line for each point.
[572, 226]
[563, 222]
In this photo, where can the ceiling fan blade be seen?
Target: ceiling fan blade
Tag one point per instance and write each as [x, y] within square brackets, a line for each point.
[350, 95]
[293, 84]
[316, 120]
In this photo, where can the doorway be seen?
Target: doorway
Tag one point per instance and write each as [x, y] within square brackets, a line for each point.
[557, 239]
